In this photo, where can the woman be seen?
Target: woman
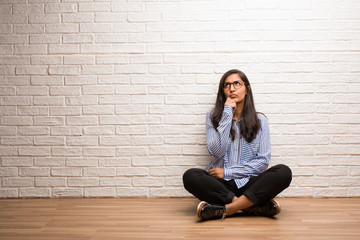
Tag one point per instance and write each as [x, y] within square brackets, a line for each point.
[238, 138]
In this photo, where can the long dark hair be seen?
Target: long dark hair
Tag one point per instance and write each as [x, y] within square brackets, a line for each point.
[250, 124]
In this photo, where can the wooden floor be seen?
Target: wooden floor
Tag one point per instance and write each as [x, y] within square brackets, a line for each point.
[173, 218]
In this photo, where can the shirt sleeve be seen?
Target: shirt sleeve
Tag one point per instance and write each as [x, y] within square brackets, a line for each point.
[218, 139]
[261, 160]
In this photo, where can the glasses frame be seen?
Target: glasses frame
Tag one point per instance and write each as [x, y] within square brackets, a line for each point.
[242, 83]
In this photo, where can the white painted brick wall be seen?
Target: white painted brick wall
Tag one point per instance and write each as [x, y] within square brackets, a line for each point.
[108, 98]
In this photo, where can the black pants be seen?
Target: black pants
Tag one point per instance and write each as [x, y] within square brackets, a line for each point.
[219, 191]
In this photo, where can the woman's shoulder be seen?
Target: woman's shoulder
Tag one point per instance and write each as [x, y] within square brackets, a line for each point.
[263, 119]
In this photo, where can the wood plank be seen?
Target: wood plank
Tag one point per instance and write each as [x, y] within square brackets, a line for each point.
[173, 218]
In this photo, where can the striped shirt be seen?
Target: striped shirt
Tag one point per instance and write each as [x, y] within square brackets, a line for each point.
[238, 158]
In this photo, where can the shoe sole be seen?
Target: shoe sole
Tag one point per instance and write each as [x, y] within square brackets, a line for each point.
[278, 207]
[198, 209]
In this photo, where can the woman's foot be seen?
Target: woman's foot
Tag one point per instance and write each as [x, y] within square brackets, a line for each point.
[206, 211]
[268, 208]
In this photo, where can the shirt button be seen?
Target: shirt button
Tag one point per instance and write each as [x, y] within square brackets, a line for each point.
[234, 161]
[236, 149]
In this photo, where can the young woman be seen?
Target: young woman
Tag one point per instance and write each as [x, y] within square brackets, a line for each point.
[238, 138]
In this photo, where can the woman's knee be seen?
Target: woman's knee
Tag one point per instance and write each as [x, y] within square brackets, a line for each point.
[285, 174]
[189, 176]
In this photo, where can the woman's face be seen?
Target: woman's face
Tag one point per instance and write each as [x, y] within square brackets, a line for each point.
[235, 88]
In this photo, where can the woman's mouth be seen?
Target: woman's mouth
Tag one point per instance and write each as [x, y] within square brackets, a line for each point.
[233, 96]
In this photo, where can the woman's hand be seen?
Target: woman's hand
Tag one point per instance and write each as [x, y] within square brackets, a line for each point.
[217, 172]
[230, 102]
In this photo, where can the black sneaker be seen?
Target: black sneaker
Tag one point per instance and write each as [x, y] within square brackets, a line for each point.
[268, 208]
[206, 211]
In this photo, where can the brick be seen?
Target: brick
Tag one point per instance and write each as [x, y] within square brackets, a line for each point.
[96, 48]
[66, 171]
[132, 129]
[61, 28]
[67, 193]
[64, 70]
[66, 131]
[110, 17]
[97, 70]
[30, 49]
[16, 141]
[99, 152]
[115, 162]
[48, 121]
[44, 18]
[77, 18]
[114, 120]
[81, 162]
[100, 192]
[83, 182]
[34, 171]
[65, 91]
[17, 161]
[34, 192]
[46, 80]
[94, 7]
[99, 172]
[127, 7]
[48, 101]
[82, 100]
[73, 59]
[48, 141]
[80, 80]
[119, 79]
[9, 172]
[32, 91]
[63, 49]
[95, 27]
[81, 120]
[8, 39]
[29, 28]
[78, 38]
[33, 130]
[18, 182]
[131, 151]
[48, 162]
[112, 59]
[46, 60]
[148, 182]
[50, 182]
[34, 151]
[16, 121]
[101, 130]
[147, 161]
[131, 110]
[115, 182]
[6, 131]
[114, 100]
[60, 8]
[99, 110]
[132, 192]
[115, 141]
[131, 171]
[82, 141]
[66, 151]
[65, 111]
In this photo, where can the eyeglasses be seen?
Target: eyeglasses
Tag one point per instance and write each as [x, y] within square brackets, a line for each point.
[236, 84]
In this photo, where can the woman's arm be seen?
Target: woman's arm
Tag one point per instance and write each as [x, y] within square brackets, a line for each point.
[261, 160]
[218, 139]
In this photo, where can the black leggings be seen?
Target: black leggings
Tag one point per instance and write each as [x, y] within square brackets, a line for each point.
[219, 191]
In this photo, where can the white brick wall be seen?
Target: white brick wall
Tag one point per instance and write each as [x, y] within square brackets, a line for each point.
[108, 98]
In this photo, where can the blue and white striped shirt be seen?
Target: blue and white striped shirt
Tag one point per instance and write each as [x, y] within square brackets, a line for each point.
[238, 158]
